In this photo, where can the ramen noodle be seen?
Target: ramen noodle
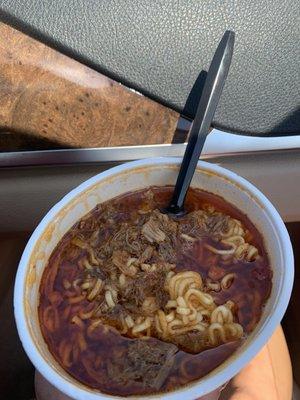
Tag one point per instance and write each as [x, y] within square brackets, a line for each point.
[134, 301]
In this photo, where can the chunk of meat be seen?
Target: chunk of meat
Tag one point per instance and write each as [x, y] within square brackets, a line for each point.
[159, 227]
[146, 254]
[113, 316]
[122, 260]
[192, 342]
[152, 232]
[168, 224]
[146, 362]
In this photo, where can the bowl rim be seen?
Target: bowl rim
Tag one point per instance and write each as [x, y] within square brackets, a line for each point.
[190, 391]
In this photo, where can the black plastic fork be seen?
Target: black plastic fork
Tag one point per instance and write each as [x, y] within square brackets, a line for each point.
[209, 100]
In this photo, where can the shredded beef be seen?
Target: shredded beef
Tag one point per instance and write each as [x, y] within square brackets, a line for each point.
[121, 259]
[167, 251]
[147, 362]
[145, 285]
[198, 224]
[159, 227]
[217, 224]
[97, 272]
[146, 254]
[112, 317]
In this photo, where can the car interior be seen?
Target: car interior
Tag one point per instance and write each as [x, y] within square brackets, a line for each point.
[87, 86]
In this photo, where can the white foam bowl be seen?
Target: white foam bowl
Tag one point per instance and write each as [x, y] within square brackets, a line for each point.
[129, 177]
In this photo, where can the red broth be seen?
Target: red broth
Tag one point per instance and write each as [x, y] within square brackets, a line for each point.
[86, 336]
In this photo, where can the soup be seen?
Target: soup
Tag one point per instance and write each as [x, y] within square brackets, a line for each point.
[134, 301]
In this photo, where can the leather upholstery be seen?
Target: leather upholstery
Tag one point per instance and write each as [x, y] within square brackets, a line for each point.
[161, 47]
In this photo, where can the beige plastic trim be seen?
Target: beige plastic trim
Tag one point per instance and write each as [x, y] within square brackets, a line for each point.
[27, 193]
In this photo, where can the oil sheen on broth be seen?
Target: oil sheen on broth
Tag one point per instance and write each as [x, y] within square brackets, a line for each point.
[135, 302]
